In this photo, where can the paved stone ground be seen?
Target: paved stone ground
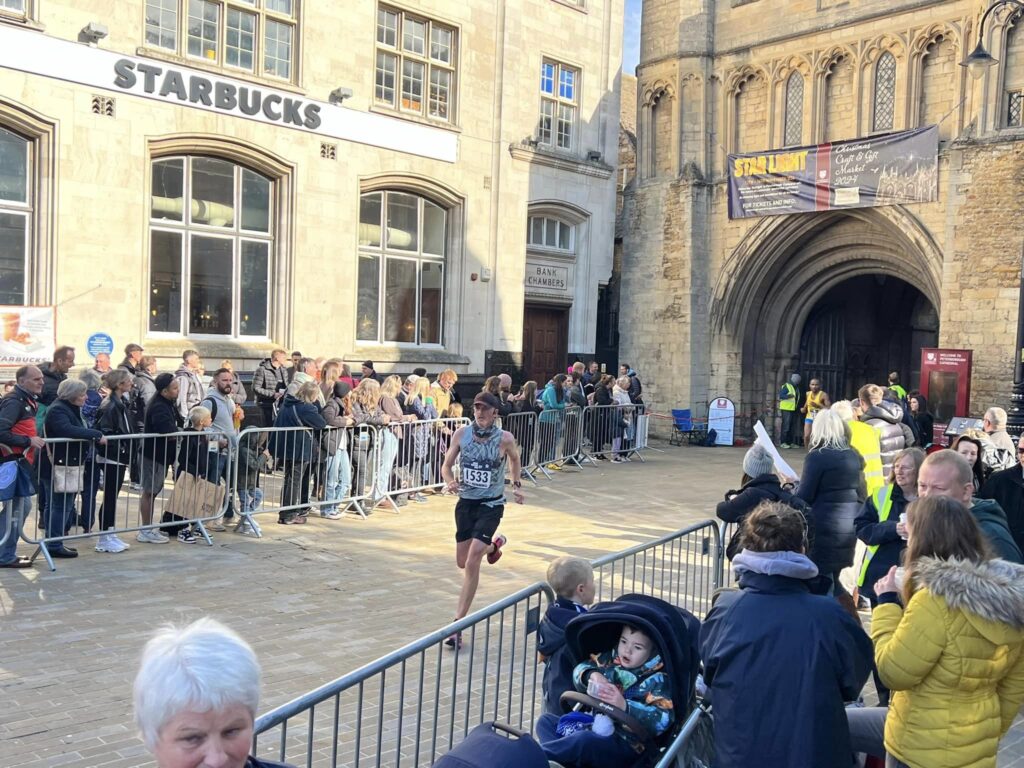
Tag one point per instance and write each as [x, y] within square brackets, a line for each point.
[315, 601]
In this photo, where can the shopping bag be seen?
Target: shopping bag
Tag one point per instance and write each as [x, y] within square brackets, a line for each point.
[195, 497]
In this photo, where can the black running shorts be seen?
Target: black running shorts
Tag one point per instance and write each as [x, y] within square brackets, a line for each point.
[474, 519]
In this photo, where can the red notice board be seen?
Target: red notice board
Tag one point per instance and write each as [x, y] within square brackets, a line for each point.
[946, 383]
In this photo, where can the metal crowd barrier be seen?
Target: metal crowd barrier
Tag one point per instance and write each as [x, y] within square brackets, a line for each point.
[616, 430]
[410, 706]
[416, 703]
[560, 439]
[525, 428]
[103, 500]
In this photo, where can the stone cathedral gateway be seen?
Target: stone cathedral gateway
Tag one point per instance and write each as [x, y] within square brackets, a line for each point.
[714, 306]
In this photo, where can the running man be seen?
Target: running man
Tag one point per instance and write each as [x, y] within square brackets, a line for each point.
[816, 401]
[481, 449]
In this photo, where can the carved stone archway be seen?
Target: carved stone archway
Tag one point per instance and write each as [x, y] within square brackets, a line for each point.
[772, 281]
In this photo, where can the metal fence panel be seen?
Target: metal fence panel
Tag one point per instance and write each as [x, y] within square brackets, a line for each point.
[122, 486]
[616, 431]
[525, 428]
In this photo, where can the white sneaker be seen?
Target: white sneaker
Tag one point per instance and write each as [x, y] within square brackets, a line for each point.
[246, 529]
[151, 536]
[110, 543]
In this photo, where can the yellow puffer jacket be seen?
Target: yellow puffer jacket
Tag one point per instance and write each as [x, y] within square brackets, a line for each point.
[954, 661]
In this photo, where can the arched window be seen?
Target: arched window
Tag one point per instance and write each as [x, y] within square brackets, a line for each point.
[1013, 74]
[547, 233]
[211, 247]
[794, 132]
[885, 93]
[15, 216]
[403, 243]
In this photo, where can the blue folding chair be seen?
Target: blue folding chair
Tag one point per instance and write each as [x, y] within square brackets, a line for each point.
[685, 426]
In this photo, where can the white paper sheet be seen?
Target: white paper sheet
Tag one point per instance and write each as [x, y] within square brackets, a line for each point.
[780, 463]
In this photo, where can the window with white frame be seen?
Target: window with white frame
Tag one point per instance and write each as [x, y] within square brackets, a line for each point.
[211, 247]
[415, 64]
[403, 244]
[559, 94]
[547, 233]
[16, 8]
[15, 216]
[256, 36]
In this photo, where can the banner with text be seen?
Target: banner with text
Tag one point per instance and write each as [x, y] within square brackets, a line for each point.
[893, 169]
[29, 335]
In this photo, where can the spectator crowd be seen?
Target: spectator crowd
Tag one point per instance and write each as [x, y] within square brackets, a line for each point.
[335, 437]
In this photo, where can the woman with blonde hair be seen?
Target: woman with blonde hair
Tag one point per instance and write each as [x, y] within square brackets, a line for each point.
[331, 373]
[832, 484]
[949, 642]
[365, 401]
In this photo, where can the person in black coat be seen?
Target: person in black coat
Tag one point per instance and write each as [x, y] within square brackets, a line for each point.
[114, 420]
[64, 420]
[1006, 486]
[925, 421]
[603, 421]
[833, 485]
[760, 483]
[780, 658]
[297, 448]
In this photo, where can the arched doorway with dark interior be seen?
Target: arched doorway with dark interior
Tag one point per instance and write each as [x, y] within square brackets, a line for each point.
[863, 328]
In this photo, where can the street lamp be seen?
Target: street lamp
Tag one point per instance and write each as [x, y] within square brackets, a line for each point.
[979, 60]
[977, 63]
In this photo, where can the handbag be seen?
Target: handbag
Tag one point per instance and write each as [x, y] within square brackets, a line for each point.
[195, 497]
[65, 479]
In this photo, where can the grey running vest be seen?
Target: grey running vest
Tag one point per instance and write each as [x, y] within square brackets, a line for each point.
[483, 467]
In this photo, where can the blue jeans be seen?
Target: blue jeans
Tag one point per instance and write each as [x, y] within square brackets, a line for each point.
[339, 480]
[251, 499]
[387, 451]
[20, 505]
[60, 507]
[583, 749]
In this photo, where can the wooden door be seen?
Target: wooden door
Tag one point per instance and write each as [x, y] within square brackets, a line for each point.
[545, 342]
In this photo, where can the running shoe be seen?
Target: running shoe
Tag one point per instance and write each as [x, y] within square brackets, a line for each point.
[495, 556]
[554, 467]
[110, 543]
[152, 536]
[332, 515]
[246, 529]
[454, 641]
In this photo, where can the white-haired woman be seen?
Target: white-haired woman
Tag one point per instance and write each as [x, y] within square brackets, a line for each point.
[196, 695]
[832, 484]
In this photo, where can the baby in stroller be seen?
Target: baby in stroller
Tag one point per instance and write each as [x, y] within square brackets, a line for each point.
[638, 653]
[630, 678]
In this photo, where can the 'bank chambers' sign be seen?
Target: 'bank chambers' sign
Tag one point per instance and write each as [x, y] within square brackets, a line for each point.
[893, 169]
[547, 278]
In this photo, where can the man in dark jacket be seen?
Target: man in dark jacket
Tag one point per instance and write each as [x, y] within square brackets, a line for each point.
[161, 418]
[269, 383]
[780, 658]
[1006, 488]
[132, 359]
[54, 373]
[19, 443]
[636, 389]
[887, 417]
[947, 473]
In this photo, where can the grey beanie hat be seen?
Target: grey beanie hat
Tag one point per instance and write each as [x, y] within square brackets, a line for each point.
[795, 378]
[758, 461]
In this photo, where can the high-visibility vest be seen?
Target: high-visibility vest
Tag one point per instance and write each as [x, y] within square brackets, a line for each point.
[789, 404]
[864, 439]
[883, 503]
[899, 390]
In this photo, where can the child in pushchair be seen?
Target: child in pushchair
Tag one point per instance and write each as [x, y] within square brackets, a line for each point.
[662, 681]
[638, 660]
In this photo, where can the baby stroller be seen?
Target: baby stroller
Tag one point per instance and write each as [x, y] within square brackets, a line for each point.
[673, 630]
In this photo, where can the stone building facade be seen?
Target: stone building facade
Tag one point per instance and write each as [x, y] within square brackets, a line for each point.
[415, 182]
[717, 307]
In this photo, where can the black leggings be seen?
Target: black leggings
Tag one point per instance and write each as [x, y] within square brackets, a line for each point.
[113, 480]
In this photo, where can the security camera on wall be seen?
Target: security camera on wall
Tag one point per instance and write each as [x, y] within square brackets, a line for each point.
[338, 95]
[93, 32]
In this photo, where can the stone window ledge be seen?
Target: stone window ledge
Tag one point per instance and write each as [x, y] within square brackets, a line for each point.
[24, 22]
[379, 109]
[384, 354]
[560, 161]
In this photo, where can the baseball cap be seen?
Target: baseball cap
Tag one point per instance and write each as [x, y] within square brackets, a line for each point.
[487, 399]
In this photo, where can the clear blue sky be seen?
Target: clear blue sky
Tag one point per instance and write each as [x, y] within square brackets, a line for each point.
[631, 38]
